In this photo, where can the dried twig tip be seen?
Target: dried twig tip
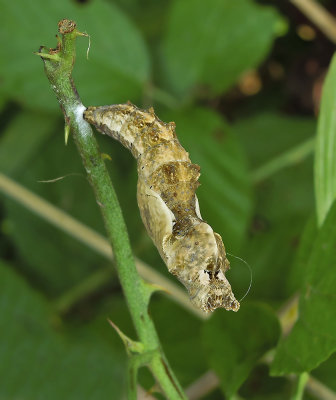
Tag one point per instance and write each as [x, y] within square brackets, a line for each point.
[66, 26]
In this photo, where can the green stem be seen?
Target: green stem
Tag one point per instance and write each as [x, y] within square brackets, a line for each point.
[90, 238]
[132, 377]
[58, 71]
[290, 157]
[300, 385]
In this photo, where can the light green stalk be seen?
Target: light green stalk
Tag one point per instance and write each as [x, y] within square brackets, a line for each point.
[58, 65]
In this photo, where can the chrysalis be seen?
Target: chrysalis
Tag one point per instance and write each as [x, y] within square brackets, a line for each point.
[169, 208]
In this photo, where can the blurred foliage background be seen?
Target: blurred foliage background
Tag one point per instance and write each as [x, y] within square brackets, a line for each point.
[242, 80]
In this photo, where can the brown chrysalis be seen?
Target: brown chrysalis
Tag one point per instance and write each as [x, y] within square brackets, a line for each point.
[169, 208]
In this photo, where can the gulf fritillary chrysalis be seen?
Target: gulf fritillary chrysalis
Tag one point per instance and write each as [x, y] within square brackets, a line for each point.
[168, 205]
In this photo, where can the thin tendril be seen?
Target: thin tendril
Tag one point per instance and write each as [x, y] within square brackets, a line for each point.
[251, 274]
[61, 177]
[89, 46]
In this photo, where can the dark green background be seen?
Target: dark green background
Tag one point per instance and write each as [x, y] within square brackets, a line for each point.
[189, 59]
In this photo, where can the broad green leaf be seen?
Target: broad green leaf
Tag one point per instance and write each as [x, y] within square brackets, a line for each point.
[48, 254]
[325, 153]
[117, 67]
[234, 343]
[3, 100]
[214, 42]
[284, 202]
[295, 280]
[55, 259]
[224, 195]
[39, 363]
[261, 386]
[22, 139]
[326, 372]
[179, 332]
[269, 250]
[267, 135]
[313, 339]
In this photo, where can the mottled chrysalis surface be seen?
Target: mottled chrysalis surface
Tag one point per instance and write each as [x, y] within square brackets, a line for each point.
[169, 208]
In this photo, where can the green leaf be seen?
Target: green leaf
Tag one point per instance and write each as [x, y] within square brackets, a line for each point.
[32, 150]
[326, 372]
[282, 205]
[38, 363]
[295, 280]
[224, 195]
[267, 135]
[234, 343]
[180, 334]
[3, 100]
[325, 153]
[261, 386]
[21, 140]
[313, 339]
[269, 250]
[46, 253]
[118, 64]
[214, 42]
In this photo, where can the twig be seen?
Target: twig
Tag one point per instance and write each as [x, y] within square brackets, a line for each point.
[319, 16]
[58, 69]
[144, 395]
[319, 390]
[300, 384]
[204, 385]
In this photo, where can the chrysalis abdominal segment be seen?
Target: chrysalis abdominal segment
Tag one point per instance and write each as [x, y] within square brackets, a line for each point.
[168, 205]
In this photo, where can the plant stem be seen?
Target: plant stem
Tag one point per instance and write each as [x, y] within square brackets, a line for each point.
[287, 159]
[319, 16]
[300, 384]
[319, 390]
[92, 239]
[58, 70]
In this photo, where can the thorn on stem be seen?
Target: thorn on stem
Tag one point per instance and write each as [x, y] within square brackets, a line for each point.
[105, 156]
[47, 56]
[131, 345]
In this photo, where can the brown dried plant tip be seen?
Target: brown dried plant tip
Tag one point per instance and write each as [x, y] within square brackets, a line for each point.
[168, 205]
[66, 26]
[56, 49]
